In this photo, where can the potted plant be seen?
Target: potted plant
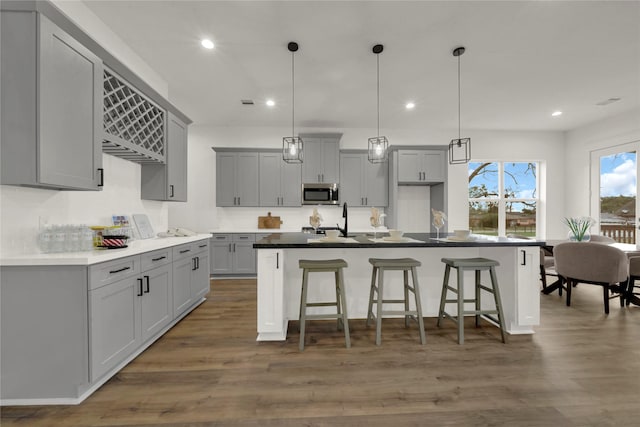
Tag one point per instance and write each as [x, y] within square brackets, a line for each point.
[579, 228]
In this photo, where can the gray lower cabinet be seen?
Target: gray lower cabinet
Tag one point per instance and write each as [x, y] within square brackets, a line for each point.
[321, 158]
[421, 166]
[51, 108]
[363, 183]
[168, 182]
[280, 182]
[66, 328]
[190, 274]
[233, 254]
[237, 179]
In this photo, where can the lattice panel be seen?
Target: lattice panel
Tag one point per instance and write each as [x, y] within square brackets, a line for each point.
[135, 126]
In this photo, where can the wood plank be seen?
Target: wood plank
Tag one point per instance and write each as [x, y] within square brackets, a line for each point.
[580, 368]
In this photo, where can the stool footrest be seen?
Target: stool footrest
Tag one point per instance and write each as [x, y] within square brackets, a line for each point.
[321, 304]
[323, 316]
[479, 312]
[399, 312]
[484, 288]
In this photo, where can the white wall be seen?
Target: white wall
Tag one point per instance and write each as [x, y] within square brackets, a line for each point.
[201, 214]
[22, 209]
[579, 145]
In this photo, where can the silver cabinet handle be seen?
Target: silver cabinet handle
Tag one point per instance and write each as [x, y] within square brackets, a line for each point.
[318, 177]
[366, 200]
[171, 190]
[322, 177]
[229, 247]
[238, 201]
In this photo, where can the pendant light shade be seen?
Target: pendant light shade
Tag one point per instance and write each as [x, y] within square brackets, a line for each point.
[379, 145]
[459, 148]
[292, 146]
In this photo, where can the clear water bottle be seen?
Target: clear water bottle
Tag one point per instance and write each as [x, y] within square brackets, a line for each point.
[45, 238]
[73, 236]
[59, 237]
[86, 238]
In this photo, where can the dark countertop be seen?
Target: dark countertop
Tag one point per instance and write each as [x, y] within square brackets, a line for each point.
[427, 240]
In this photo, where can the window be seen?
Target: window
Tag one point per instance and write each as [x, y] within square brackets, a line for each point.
[503, 197]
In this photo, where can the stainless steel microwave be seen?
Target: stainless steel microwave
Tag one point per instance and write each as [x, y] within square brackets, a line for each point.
[320, 194]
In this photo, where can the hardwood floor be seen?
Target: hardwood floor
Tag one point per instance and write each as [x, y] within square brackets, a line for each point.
[581, 368]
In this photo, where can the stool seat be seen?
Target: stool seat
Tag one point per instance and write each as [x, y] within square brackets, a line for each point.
[334, 266]
[471, 263]
[478, 265]
[394, 263]
[317, 264]
[405, 265]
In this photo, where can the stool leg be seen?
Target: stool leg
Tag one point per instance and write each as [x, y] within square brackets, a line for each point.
[374, 273]
[303, 307]
[406, 297]
[345, 317]
[496, 296]
[460, 306]
[443, 297]
[338, 299]
[379, 307]
[478, 294]
[416, 293]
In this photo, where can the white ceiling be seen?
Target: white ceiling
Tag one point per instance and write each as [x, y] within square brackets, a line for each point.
[524, 60]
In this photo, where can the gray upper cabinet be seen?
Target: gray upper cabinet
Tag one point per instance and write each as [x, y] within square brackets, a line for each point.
[237, 179]
[421, 166]
[321, 158]
[51, 108]
[280, 182]
[363, 183]
[168, 182]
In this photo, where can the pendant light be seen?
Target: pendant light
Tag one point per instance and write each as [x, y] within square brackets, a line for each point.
[292, 150]
[378, 146]
[460, 148]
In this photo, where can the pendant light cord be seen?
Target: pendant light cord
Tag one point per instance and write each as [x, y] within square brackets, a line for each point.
[378, 89]
[458, 97]
[293, 96]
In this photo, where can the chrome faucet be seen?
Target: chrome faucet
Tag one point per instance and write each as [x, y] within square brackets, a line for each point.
[344, 230]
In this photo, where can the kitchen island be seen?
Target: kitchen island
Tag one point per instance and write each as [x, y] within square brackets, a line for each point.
[279, 278]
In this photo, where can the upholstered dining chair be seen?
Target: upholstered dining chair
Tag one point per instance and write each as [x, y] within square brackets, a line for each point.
[633, 296]
[598, 238]
[595, 264]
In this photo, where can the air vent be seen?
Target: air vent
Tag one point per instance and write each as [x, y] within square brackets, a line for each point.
[608, 101]
[247, 101]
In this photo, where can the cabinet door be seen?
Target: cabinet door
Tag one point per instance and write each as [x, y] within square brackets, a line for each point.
[351, 187]
[182, 285]
[330, 161]
[115, 324]
[244, 258]
[156, 304]
[221, 257]
[433, 166]
[376, 183]
[409, 166]
[225, 179]
[528, 287]
[200, 276]
[290, 184]
[312, 165]
[176, 159]
[271, 315]
[247, 179]
[270, 179]
[70, 111]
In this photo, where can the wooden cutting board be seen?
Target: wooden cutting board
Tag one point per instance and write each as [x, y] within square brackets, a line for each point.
[269, 221]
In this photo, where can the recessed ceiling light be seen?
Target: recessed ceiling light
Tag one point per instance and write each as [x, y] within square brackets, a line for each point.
[270, 102]
[556, 113]
[207, 44]
[410, 105]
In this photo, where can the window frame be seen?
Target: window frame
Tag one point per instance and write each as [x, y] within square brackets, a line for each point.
[501, 200]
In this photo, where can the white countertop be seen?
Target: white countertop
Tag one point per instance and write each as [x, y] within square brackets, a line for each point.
[99, 255]
[287, 230]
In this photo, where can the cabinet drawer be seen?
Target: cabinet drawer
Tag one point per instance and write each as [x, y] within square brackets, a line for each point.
[221, 238]
[182, 251]
[112, 271]
[202, 245]
[244, 238]
[155, 259]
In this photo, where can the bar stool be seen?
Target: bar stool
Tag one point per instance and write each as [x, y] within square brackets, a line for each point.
[478, 265]
[380, 265]
[330, 265]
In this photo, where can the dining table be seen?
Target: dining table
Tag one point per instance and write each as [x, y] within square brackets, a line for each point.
[630, 249]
